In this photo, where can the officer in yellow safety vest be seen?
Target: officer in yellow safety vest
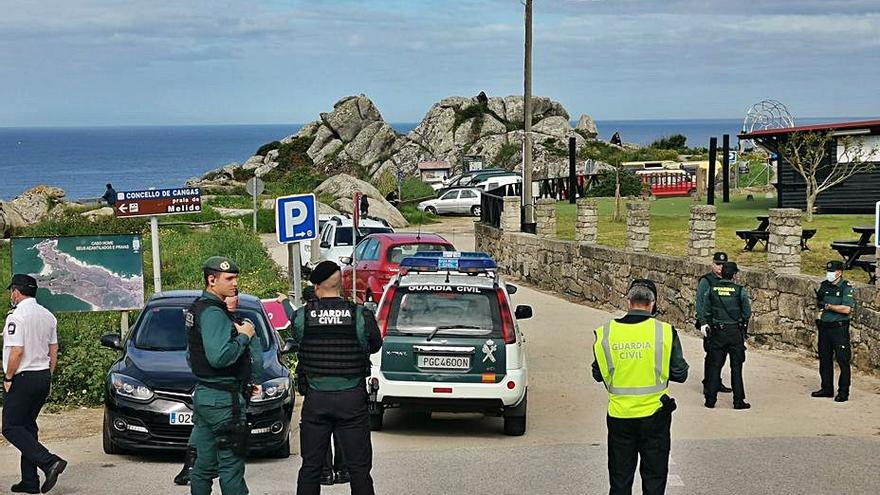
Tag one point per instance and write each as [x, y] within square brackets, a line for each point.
[635, 357]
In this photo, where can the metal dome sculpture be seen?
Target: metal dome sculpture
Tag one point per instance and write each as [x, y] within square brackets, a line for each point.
[766, 114]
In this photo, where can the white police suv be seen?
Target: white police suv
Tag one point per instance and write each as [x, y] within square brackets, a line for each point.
[451, 341]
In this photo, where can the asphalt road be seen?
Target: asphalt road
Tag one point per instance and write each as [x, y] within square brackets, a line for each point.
[787, 443]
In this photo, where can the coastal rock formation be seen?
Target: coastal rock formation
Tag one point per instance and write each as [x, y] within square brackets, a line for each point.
[586, 127]
[341, 189]
[29, 208]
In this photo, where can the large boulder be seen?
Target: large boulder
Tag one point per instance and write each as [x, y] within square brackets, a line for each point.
[341, 189]
[586, 126]
[555, 126]
[29, 208]
[350, 116]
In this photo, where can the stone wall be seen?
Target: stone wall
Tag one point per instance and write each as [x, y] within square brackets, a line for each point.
[783, 304]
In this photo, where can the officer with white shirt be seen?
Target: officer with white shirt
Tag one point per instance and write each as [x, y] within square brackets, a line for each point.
[30, 351]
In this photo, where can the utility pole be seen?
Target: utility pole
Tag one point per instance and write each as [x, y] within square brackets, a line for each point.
[529, 211]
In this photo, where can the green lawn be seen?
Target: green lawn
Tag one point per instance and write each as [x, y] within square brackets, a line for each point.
[669, 224]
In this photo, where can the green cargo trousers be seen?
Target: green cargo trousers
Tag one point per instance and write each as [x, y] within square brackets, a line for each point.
[212, 408]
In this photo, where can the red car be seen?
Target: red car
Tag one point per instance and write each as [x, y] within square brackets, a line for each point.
[378, 259]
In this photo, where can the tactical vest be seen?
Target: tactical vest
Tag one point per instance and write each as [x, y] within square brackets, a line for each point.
[724, 301]
[330, 344]
[198, 361]
[634, 361]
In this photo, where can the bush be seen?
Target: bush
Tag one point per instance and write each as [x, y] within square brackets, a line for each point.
[417, 217]
[630, 184]
[674, 142]
[415, 188]
[266, 148]
[385, 182]
[507, 156]
[297, 181]
[293, 154]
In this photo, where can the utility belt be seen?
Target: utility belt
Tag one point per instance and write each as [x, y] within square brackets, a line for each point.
[830, 325]
[234, 434]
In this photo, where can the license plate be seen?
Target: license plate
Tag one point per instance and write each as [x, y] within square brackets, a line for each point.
[445, 362]
[180, 418]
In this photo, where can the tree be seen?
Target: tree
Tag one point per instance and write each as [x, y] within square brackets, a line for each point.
[808, 154]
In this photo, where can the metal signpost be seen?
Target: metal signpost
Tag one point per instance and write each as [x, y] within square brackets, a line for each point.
[152, 203]
[296, 220]
[354, 230]
[877, 225]
[255, 187]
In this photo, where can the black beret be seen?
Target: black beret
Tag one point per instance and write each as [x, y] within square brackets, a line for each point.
[719, 257]
[834, 266]
[323, 271]
[23, 281]
[728, 269]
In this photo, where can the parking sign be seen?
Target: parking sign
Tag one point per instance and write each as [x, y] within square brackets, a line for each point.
[296, 218]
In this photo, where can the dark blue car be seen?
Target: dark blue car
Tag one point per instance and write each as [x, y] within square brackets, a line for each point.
[148, 400]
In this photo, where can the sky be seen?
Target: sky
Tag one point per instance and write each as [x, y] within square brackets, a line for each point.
[116, 62]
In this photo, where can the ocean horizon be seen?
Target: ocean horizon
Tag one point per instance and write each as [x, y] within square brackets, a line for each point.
[81, 160]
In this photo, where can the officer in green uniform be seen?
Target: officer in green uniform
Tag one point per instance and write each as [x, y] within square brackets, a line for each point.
[835, 299]
[635, 357]
[219, 354]
[703, 285]
[726, 310]
[336, 338]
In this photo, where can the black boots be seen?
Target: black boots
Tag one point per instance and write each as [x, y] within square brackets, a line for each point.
[189, 461]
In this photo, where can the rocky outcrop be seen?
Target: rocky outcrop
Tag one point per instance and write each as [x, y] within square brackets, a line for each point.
[29, 208]
[587, 127]
[341, 189]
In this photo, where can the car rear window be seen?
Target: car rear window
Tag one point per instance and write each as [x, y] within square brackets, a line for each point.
[343, 234]
[419, 310]
[163, 328]
[397, 253]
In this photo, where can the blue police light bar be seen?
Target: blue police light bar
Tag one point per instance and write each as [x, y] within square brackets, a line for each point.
[449, 260]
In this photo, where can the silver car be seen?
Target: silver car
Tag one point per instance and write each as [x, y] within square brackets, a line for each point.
[456, 201]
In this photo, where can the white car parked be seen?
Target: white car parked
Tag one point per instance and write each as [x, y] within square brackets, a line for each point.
[461, 201]
[336, 236]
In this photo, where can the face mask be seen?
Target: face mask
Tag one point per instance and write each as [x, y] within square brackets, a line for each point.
[831, 276]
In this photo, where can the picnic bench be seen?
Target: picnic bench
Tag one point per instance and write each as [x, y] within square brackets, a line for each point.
[869, 265]
[852, 251]
[762, 234]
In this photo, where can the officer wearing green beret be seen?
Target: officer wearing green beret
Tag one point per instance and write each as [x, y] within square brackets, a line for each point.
[835, 299]
[220, 356]
[726, 310]
[704, 284]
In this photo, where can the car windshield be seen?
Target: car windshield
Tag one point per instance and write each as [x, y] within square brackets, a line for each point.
[397, 253]
[343, 234]
[162, 328]
[420, 310]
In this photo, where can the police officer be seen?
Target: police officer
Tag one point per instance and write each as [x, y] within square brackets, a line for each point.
[636, 356]
[30, 352]
[835, 299]
[335, 338]
[726, 311]
[704, 284]
[220, 356]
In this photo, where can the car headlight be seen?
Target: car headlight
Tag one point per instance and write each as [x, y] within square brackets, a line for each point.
[130, 388]
[273, 389]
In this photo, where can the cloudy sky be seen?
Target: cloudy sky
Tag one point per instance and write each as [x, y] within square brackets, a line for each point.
[107, 62]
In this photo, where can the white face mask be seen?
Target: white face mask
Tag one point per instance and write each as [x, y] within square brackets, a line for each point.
[831, 276]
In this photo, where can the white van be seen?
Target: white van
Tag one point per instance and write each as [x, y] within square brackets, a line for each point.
[497, 181]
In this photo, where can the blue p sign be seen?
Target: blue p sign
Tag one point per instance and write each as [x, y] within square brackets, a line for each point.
[296, 218]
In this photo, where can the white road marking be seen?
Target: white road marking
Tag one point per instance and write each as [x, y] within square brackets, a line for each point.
[674, 480]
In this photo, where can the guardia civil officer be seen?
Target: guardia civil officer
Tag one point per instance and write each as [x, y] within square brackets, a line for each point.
[336, 338]
[835, 299]
[636, 356]
[726, 311]
[30, 351]
[220, 356]
[703, 285]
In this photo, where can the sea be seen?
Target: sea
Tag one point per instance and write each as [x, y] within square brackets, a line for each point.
[81, 160]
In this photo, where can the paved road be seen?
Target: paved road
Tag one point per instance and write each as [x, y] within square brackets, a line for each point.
[780, 446]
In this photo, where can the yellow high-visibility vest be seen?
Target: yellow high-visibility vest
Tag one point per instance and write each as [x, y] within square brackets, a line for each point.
[634, 361]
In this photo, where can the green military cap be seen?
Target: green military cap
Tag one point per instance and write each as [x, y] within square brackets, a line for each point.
[834, 265]
[220, 264]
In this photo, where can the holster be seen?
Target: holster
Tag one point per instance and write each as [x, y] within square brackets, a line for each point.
[302, 384]
[234, 434]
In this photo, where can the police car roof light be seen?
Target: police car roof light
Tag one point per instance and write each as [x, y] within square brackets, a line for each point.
[449, 261]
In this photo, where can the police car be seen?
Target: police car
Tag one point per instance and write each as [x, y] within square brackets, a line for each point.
[451, 341]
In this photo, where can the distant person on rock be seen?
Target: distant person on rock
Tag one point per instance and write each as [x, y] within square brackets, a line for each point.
[364, 206]
[615, 139]
[109, 195]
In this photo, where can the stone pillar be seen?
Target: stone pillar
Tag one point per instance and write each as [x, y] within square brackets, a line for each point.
[784, 245]
[586, 229]
[701, 232]
[638, 226]
[546, 218]
[510, 219]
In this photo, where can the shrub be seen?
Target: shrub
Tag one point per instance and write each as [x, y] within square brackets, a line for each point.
[630, 184]
[293, 154]
[674, 142]
[417, 217]
[507, 156]
[385, 182]
[266, 148]
[414, 188]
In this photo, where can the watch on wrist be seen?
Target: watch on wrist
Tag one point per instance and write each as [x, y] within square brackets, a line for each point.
[7, 380]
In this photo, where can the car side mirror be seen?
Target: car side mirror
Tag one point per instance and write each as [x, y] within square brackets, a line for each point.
[346, 260]
[511, 289]
[289, 346]
[372, 306]
[523, 312]
[325, 245]
[112, 341]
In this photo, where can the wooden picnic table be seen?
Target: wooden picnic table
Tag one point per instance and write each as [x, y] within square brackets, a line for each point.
[762, 234]
[851, 251]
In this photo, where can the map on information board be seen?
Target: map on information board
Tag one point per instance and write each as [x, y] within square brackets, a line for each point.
[83, 273]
